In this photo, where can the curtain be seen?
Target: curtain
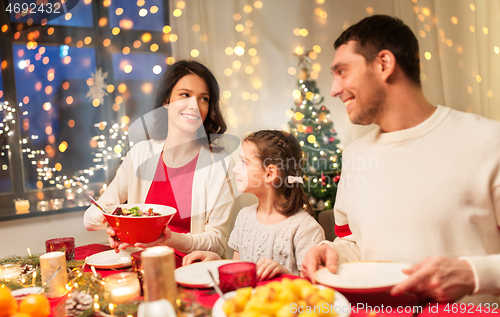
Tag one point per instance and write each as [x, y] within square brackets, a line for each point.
[459, 50]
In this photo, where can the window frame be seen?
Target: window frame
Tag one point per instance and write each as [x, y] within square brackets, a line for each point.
[103, 60]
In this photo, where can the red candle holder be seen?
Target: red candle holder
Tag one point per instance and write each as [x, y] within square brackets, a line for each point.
[66, 245]
[137, 268]
[237, 275]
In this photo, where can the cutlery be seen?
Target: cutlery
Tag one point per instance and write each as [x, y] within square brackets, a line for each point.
[217, 289]
[51, 277]
[95, 203]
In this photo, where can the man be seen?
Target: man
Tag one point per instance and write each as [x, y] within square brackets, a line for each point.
[424, 187]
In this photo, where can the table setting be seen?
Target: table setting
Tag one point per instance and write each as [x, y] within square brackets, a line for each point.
[111, 287]
[96, 280]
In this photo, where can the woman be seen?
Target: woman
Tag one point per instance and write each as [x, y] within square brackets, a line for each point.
[180, 167]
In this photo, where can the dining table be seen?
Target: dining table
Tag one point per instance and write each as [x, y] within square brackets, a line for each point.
[360, 305]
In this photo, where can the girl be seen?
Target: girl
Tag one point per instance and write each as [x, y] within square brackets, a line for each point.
[177, 167]
[277, 232]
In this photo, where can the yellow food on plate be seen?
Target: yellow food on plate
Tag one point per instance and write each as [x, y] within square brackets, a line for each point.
[286, 298]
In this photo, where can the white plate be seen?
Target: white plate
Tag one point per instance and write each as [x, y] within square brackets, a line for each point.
[340, 304]
[363, 277]
[21, 293]
[112, 260]
[196, 274]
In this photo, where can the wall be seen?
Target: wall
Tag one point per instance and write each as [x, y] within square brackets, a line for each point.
[18, 235]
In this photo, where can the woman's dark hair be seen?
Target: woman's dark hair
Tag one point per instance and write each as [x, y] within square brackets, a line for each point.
[283, 150]
[214, 123]
[380, 32]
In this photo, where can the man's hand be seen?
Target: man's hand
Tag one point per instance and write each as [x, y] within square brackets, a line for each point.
[318, 257]
[440, 279]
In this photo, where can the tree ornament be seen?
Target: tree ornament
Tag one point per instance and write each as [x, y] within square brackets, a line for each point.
[322, 116]
[326, 139]
[312, 201]
[328, 204]
[312, 169]
[320, 205]
[77, 303]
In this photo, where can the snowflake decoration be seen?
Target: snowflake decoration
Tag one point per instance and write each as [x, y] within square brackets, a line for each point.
[98, 88]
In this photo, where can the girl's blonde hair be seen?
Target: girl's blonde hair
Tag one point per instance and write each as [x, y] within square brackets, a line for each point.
[283, 150]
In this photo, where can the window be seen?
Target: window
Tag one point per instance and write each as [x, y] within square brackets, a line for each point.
[5, 113]
[68, 91]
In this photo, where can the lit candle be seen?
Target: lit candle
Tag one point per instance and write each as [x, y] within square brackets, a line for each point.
[66, 245]
[10, 271]
[111, 309]
[122, 287]
[70, 195]
[49, 264]
[159, 282]
[42, 205]
[56, 204]
[96, 302]
[22, 206]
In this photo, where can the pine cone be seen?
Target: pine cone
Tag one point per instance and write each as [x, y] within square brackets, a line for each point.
[27, 269]
[77, 303]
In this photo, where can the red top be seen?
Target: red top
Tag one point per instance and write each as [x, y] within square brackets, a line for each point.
[173, 187]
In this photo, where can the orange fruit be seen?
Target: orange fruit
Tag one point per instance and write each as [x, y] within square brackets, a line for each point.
[35, 305]
[8, 303]
[18, 314]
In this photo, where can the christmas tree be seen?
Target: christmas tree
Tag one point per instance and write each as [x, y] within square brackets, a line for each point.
[310, 123]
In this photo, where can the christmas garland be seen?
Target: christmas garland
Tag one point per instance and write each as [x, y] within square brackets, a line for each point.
[86, 296]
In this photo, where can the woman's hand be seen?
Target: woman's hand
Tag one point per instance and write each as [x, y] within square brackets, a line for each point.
[165, 235]
[116, 244]
[267, 269]
[203, 256]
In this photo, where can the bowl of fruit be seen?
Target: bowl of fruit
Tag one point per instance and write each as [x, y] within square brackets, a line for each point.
[134, 223]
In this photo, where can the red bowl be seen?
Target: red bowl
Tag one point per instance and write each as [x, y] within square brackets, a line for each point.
[139, 229]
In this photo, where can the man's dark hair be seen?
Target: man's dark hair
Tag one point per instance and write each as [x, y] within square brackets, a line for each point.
[379, 32]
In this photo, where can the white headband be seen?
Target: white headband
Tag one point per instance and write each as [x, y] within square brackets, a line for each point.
[295, 179]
